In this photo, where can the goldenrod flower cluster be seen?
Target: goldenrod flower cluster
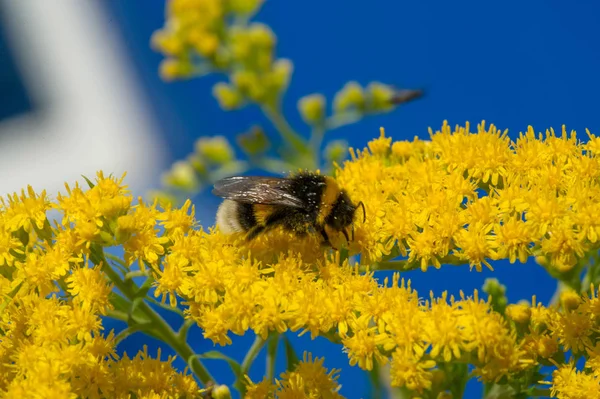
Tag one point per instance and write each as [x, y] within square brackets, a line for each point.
[213, 35]
[310, 379]
[471, 197]
[460, 198]
[51, 335]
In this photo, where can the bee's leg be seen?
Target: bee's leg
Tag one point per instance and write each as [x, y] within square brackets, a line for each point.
[326, 238]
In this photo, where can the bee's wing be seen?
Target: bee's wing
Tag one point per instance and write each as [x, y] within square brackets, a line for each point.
[257, 190]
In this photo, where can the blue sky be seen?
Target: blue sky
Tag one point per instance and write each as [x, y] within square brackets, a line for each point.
[515, 64]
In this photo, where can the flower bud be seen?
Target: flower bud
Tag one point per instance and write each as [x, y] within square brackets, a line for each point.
[312, 108]
[350, 97]
[254, 142]
[519, 313]
[172, 68]
[402, 149]
[281, 73]
[336, 151]
[166, 43]
[245, 82]
[260, 35]
[244, 6]
[216, 150]
[379, 97]
[204, 42]
[221, 392]
[497, 292]
[569, 299]
[228, 97]
[198, 164]
[181, 175]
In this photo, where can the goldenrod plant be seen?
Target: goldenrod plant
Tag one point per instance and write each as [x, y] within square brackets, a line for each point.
[460, 199]
[202, 37]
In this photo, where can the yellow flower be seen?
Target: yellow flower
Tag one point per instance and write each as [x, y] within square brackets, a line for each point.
[363, 346]
[9, 246]
[520, 313]
[442, 330]
[409, 371]
[25, 210]
[568, 383]
[424, 206]
[89, 287]
[178, 220]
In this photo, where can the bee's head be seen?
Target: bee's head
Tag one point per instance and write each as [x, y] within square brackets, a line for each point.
[342, 214]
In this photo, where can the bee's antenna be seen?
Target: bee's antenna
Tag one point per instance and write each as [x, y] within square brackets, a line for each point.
[364, 211]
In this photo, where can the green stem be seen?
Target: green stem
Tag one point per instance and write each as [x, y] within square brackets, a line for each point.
[256, 347]
[284, 128]
[339, 120]
[316, 141]
[540, 393]
[404, 265]
[166, 307]
[272, 355]
[273, 165]
[157, 322]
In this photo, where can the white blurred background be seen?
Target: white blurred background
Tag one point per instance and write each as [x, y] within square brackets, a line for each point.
[86, 112]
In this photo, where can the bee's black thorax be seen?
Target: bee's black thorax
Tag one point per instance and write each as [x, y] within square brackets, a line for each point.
[309, 188]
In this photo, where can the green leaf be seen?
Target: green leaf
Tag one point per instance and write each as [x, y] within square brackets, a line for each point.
[88, 181]
[290, 354]
[236, 367]
[144, 288]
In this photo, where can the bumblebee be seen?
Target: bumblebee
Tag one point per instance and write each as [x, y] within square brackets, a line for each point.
[302, 204]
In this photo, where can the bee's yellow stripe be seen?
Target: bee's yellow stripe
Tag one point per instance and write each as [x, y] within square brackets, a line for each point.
[330, 195]
[261, 212]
